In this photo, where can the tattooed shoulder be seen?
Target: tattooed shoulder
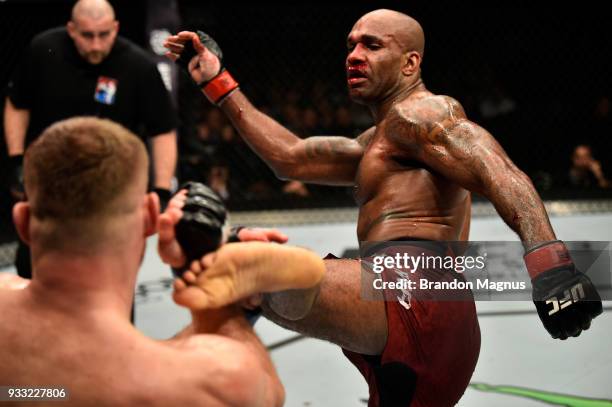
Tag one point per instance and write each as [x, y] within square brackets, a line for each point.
[432, 119]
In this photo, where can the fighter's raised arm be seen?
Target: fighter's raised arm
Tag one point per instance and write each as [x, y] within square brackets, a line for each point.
[436, 132]
[327, 160]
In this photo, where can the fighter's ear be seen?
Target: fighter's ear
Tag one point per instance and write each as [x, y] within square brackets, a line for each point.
[412, 63]
[21, 218]
[70, 27]
[151, 213]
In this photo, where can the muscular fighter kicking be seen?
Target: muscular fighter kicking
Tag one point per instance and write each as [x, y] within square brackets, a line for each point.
[413, 173]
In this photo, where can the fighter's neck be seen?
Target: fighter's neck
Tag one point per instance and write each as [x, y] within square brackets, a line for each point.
[81, 283]
[380, 110]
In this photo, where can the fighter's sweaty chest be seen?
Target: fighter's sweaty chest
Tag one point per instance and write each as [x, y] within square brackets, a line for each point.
[385, 156]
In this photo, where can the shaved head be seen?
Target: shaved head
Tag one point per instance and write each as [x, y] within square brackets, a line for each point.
[405, 30]
[385, 53]
[94, 9]
[93, 28]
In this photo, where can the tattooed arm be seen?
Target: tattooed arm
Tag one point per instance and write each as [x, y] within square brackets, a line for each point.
[465, 153]
[322, 160]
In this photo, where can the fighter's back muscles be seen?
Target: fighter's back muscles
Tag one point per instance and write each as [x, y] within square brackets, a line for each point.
[243, 382]
[324, 160]
[197, 370]
[436, 130]
[212, 339]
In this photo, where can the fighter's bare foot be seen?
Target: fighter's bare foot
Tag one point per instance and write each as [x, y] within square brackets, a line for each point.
[238, 271]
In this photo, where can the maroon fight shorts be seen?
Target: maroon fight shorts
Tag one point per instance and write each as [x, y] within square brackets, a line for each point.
[432, 347]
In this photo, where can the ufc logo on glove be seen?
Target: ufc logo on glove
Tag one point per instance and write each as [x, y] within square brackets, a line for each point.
[577, 293]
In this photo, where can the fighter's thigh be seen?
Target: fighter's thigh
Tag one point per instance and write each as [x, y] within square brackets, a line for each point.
[340, 314]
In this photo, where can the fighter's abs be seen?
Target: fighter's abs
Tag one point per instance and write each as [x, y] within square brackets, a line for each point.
[399, 197]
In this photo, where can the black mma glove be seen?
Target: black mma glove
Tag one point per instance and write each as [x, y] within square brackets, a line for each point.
[222, 83]
[565, 298]
[200, 229]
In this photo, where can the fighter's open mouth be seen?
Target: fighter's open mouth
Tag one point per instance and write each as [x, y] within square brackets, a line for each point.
[355, 72]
